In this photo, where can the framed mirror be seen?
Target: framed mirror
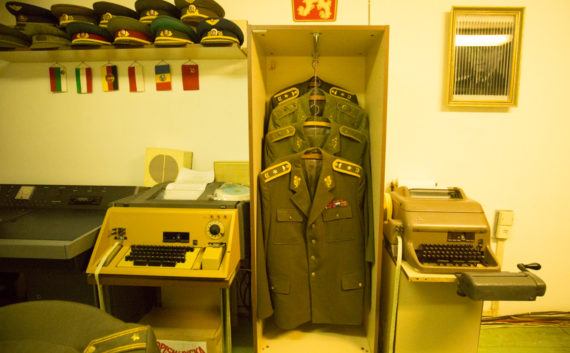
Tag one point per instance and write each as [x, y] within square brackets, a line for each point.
[484, 56]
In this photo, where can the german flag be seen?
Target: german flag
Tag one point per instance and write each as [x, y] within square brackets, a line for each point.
[110, 78]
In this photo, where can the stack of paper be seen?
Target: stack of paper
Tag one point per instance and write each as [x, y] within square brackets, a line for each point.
[189, 185]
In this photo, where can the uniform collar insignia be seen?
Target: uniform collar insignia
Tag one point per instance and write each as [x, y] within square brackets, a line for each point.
[296, 181]
[328, 181]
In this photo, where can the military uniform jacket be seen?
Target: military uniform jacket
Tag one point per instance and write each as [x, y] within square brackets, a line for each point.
[340, 140]
[311, 241]
[336, 109]
[297, 90]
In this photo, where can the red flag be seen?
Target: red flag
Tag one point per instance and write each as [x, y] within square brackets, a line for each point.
[314, 10]
[136, 78]
[190, 78]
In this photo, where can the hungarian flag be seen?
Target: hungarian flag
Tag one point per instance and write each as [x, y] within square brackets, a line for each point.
[110, 78]
[58, 79]
[190, 79]
[162, 77]
[136, 78]
[84, 79]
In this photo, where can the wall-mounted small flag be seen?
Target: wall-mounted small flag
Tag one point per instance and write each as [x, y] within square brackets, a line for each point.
[136, 77]
[163, 77]
[58, 79]
[190, 78]
[110, 78]
[84, 79]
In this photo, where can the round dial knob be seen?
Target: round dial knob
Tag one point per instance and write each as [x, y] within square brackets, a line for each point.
[215, 229]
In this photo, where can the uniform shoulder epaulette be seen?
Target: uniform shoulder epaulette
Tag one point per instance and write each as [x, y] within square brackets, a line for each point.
[346, 167]
[341, 93]
[286, 95]
[280, 134]
[349, 108]
[284, 109]
[131, 339]
[352, 133]
[275, 171]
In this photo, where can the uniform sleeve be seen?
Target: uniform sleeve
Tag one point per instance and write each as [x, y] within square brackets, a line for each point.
[368, 208]
[264, 306]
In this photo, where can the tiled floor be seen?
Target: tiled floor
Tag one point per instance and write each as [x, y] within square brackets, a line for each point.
[552, 339]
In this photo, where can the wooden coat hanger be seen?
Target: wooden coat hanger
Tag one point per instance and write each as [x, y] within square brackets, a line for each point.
[316, 123]
[312, 154]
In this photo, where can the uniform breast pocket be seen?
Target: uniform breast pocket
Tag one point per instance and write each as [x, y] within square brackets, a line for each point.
[338, 223]
[289, 227]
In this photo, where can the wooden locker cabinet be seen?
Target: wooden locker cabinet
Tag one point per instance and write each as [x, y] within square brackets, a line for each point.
[356, 58]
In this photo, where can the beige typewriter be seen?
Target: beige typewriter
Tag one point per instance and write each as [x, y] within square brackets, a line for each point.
[443, 231]
[167, 242]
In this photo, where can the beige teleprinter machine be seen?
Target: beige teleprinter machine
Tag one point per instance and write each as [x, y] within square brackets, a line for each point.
[442, 230]
[167, 242]
[147, 235]
[190, 250]
[438, 268]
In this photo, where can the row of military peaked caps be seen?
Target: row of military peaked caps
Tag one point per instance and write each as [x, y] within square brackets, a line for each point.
[155, 22]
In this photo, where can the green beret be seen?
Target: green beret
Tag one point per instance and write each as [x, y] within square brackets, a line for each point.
[88, 34]
[129, 31]
[48, 41]
[149, 9]
[45, 36]
[72, 13]
[33, 29]
[106, 10]
[170, 32]
[26, 13]
[12, 38]
[219, 31]
[193, 11]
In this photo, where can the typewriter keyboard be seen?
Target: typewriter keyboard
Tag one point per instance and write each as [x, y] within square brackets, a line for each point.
[160, 255]
[451, 254]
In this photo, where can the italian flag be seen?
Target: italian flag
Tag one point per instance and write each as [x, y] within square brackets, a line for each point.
[110, 78]
[136, 78]
[57, 79]
[84, 79]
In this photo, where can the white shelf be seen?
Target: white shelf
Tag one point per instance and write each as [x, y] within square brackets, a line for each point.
[193, 51]
[333, 40]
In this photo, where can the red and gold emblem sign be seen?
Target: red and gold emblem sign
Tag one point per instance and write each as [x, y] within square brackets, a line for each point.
[314, 10]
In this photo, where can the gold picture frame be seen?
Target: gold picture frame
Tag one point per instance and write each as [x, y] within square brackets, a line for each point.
[484, 56]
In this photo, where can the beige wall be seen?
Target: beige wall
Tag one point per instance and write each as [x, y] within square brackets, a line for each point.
[504, 158]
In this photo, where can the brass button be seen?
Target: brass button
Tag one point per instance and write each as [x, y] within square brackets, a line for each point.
[313, 274]
[313, 258]
[313, 225]
[360, 284]
[313, 241]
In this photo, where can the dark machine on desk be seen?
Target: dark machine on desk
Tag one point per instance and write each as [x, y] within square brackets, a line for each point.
[444, 232]
[46, 236]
